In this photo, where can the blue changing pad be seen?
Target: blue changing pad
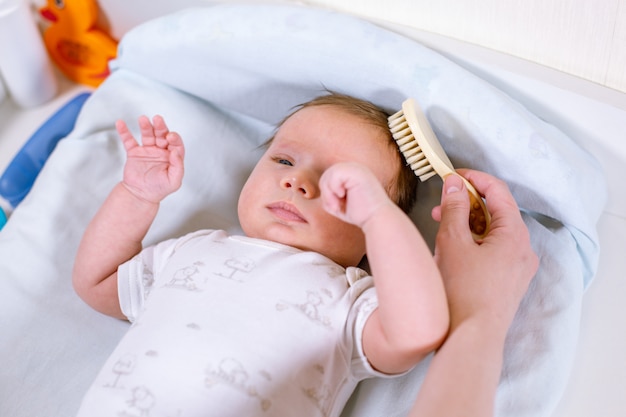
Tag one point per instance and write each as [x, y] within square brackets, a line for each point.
[20, 175]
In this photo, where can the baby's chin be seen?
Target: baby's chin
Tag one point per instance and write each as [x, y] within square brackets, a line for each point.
[278, 233]
[305, 241]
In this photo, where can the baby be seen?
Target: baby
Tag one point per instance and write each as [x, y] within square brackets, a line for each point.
[281, 320]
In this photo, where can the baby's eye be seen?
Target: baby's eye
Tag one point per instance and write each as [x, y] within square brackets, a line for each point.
[283, 161]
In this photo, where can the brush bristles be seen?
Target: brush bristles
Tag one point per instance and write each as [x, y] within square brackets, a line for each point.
[415, 158]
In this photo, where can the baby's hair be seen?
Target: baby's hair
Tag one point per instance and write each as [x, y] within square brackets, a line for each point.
[404, 190]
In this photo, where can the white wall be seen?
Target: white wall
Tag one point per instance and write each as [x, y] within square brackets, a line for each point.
[586, 38]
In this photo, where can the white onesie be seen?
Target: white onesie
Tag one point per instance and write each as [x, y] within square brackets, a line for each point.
[234, 326]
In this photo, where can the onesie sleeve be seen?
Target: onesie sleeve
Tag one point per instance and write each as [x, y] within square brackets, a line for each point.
[365, 302]
[136, 277]
[129, 292]
[361, 312]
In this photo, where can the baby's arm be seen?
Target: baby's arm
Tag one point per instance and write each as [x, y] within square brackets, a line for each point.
[412, 316]
[153, 170]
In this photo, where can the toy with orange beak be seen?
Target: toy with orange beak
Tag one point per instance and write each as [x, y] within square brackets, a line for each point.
[80, 50]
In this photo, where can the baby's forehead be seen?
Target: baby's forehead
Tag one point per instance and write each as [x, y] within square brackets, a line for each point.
[348, 116]
[373, 131]
[339, 108]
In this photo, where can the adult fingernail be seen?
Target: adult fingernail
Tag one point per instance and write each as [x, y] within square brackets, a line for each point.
[453, 184]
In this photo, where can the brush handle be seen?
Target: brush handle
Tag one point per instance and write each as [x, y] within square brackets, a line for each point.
[479, 217]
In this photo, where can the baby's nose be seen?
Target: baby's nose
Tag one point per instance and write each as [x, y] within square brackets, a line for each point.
[300, 184]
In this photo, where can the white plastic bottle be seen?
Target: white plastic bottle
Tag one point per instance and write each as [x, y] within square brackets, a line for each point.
[24, 63]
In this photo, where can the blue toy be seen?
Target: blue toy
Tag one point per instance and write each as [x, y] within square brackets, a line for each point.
[22, 171]
[3, 218]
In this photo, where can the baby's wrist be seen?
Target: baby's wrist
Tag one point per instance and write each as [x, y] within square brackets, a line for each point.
[137, 195]
[381, 212]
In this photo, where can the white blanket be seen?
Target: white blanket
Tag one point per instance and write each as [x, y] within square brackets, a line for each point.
[222, 76]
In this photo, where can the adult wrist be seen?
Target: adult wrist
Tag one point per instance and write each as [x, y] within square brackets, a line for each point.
[484, 326]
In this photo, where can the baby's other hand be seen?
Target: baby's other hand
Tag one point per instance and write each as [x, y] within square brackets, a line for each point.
[154, 168]
[352, 193]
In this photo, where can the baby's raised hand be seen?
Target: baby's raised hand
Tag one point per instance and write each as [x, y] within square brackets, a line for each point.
[352, 193]
[153, 168]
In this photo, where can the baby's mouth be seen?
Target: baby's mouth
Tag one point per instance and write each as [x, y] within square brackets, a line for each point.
[286, 211]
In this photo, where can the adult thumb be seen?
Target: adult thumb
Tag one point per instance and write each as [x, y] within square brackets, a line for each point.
[454, 207]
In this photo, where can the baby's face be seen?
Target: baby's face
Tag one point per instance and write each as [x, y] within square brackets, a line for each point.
[281, 199]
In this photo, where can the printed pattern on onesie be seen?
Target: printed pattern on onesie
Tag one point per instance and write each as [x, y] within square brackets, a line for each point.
[233, 326]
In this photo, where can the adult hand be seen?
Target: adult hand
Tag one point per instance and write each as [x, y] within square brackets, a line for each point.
[490, 277]
[485, 282]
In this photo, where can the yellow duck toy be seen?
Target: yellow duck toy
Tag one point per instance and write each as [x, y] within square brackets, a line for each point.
[80, 50]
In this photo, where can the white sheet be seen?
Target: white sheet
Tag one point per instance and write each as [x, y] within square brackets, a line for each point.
[221, 76]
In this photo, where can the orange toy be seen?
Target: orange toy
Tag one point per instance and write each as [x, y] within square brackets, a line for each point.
[80, 50]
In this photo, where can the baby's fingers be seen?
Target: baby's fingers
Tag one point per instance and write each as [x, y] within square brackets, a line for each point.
[175, 144]
[160, 131]
[148, 137]
[333, 195]
[177, 155]
[127, 138]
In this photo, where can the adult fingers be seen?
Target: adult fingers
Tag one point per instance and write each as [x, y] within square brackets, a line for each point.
[508, 229]
[499, 200]
[454, 210]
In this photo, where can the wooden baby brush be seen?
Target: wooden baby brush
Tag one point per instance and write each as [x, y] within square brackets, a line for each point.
[426, 157]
